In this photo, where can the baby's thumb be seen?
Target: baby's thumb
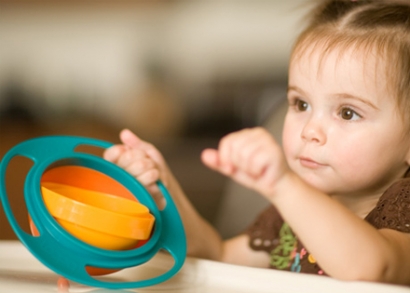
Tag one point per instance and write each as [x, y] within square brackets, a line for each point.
[131, 140]
[210, 158]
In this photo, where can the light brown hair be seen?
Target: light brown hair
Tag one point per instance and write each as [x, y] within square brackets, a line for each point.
[382, 27]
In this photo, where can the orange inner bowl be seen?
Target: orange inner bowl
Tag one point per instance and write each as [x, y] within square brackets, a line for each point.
[96, 198]
[100, 219]
[87, 178]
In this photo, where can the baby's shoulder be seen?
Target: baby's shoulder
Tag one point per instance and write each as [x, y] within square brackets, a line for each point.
[393, 209]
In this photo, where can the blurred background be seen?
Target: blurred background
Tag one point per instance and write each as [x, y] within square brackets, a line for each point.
[180, 74]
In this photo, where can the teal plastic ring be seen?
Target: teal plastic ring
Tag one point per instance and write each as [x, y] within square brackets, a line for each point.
[69, 256]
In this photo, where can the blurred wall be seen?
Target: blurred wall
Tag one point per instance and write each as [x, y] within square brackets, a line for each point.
[106, 56]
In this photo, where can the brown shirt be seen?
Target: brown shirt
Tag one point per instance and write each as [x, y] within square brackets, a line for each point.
[271, 234]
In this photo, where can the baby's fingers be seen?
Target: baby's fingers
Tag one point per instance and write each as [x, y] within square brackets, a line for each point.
[131, 140]
[134, 161]
[157, 196]
[211, 159]
[113, 153]
[149, 177]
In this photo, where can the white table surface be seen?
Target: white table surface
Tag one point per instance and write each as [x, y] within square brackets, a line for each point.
[21, 272]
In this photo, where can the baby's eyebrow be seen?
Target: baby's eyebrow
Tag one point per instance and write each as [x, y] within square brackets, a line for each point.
[295, 88]
[353, 97]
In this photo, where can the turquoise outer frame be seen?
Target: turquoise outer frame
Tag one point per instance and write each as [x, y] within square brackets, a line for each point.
[67, 255]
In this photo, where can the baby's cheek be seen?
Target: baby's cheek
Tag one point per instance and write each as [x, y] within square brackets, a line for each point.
[350, 159]
[352, 167]
[290, 136]
[289, 148]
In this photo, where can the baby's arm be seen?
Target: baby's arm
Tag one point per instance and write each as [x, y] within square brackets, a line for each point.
[343, 244]
[146, 164]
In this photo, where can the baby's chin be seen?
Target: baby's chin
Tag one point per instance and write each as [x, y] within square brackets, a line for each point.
[317, 182]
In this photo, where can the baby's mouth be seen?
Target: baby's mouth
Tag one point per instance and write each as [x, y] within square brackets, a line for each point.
[309, 163]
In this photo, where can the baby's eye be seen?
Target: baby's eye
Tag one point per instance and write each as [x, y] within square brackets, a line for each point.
[301, 105]
[349, 114]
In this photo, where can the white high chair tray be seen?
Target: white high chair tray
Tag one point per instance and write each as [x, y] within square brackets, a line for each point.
[21, 272]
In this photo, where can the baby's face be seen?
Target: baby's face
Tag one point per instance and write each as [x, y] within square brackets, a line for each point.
[343, 133]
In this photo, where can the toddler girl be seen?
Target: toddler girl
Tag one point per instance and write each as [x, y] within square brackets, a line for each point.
[340, 199]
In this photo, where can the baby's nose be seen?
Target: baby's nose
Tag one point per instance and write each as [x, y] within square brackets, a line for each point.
[314, 131]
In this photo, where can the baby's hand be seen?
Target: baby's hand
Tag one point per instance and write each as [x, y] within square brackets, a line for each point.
[251, 157]
[142, 160]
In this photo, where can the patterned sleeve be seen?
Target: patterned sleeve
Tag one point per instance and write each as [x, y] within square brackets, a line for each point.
[393, 209]
[264, 231]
